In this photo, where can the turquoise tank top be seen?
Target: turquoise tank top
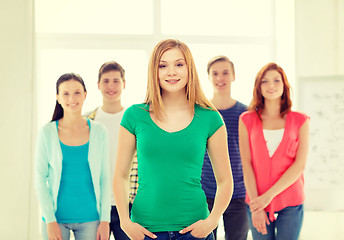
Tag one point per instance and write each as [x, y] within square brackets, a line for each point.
[76, 200]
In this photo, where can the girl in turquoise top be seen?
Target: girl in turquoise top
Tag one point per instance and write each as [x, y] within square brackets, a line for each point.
[171, 131]
[72, 177]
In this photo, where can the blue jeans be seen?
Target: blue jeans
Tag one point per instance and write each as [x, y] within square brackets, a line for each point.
[177, 236]
[82, 231]
[235, 220]
[115, 225]
[287, 225]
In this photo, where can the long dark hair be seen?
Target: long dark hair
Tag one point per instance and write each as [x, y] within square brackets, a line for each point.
[58, 112]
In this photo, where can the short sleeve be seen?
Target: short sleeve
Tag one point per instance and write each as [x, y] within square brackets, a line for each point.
[245, 118]
[128, 119]
[216, 122]
[300, 118]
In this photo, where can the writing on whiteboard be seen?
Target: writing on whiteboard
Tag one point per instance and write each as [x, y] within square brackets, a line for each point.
[323, 100]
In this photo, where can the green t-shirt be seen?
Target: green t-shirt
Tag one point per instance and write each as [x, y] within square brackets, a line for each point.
[170, 195]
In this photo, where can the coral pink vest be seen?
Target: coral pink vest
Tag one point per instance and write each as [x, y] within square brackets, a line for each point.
[268, 169]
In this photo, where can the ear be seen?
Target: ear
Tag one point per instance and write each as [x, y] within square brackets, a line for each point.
[123, 84]
[98, 84]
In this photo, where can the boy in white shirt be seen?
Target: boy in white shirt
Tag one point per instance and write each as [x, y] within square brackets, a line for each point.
[111, 82]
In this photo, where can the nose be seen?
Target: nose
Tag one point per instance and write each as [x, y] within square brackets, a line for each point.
[171, 71]
[111, 84]
[270, 84]
[72, 97]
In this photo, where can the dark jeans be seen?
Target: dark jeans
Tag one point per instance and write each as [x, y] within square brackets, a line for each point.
[235, 220]
[115, 226]
[177, 236]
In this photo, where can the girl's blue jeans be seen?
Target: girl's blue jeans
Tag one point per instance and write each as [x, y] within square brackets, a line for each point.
[287, 225]
[177, 236]
[81, 231]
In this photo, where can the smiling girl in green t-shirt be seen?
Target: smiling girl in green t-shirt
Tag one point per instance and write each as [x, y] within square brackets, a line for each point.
[171, 131]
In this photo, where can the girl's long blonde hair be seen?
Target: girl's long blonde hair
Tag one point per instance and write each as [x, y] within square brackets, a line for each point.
[193, 90]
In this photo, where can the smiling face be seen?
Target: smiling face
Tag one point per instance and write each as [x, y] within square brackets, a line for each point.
[272, 85]
[111, 85]
[221, 75]
[173, 72]
[71, 96]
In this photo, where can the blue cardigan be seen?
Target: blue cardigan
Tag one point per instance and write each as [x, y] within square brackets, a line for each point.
[48, 168]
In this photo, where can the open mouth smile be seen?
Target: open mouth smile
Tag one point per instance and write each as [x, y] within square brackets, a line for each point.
[111, 92]
[172, 80]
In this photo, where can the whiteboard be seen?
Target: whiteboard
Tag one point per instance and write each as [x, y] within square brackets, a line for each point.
[322, 98]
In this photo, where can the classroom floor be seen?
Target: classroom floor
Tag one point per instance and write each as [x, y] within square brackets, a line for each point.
[316, 226]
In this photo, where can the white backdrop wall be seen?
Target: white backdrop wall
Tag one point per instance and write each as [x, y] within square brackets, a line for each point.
[319, 46]
[18, 212]
[319, 37]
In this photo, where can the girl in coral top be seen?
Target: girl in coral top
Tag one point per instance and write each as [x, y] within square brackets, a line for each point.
[273, 144]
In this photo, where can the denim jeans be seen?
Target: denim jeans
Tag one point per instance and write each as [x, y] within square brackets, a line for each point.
[178, 236]
[81, 231]
[287, 225]
[115, 226]
[235, 220]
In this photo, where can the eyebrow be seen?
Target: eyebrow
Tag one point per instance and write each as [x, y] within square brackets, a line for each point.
[66, 91]
[216, 71]
[176, 60]
[117, 78]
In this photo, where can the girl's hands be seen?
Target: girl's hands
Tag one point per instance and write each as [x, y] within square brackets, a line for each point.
[54, 231]
[103, 231]
[260, 220]
[260, 203]
[201, 228]
[136, 231]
